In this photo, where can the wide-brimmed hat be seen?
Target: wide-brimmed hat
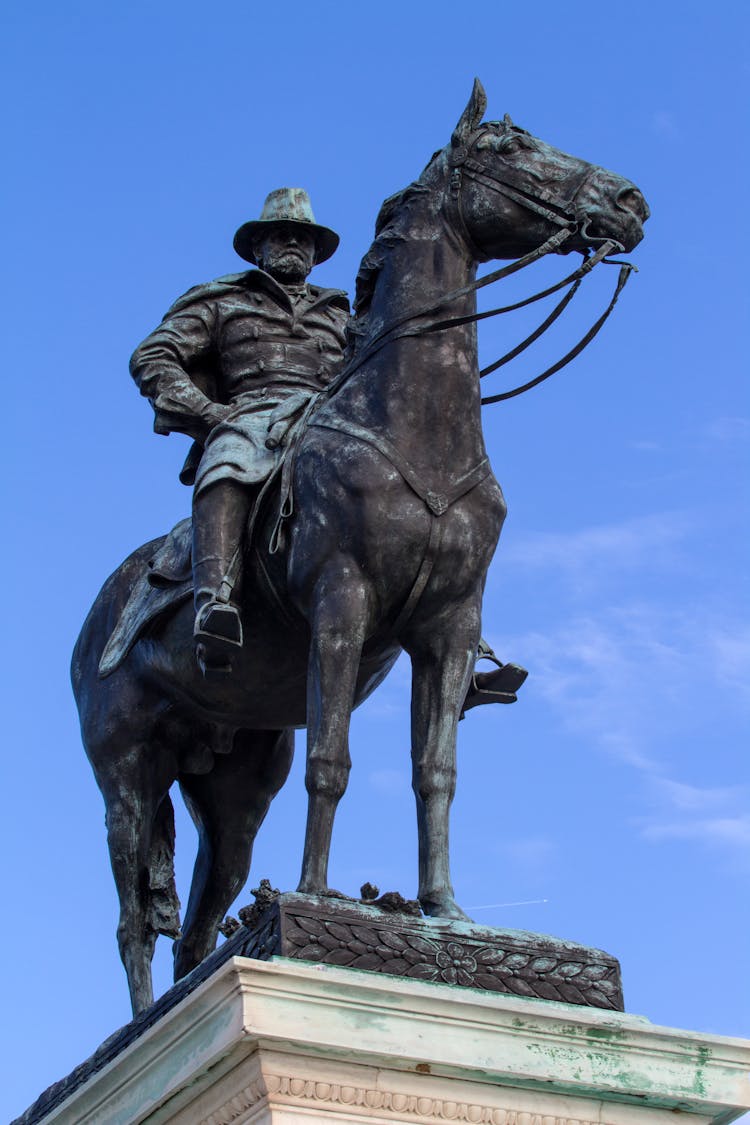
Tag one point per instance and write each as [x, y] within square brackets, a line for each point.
[286, 207]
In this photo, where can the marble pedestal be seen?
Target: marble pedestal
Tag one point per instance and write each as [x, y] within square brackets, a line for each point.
[286, 1043]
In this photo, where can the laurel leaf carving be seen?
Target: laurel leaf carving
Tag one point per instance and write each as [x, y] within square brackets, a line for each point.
[311, 925]
[312, 952]
[489, 956]
[341, 933]
[367, 961]
[340, 957]
[393, 941]
[396, 966]
[569, 969]
[365, 935]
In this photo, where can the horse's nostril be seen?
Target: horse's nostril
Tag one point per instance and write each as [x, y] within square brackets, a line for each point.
[630, 199]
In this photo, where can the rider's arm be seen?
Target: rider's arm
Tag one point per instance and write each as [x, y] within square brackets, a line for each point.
[161, 366]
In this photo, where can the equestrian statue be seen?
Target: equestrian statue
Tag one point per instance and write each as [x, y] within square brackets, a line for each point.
[344, 511]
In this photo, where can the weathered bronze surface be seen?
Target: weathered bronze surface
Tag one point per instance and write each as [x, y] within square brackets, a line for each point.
[393, 518]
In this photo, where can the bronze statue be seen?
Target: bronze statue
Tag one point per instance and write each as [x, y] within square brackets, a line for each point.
[377, 539]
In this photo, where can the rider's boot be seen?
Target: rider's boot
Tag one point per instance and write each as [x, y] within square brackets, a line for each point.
[219, 516]
[498, 686]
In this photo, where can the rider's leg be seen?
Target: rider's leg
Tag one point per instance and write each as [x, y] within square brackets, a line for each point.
[220, 514]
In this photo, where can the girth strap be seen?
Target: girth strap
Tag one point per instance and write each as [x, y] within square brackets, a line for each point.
[423, 575]
[437, 502]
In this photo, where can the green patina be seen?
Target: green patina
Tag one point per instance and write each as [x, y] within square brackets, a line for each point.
[703, 1058]
[609, 1033]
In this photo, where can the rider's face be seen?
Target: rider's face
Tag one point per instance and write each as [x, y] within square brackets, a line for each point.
[287, 253]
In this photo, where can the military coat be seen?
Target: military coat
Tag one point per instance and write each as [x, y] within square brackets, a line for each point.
[230, 352]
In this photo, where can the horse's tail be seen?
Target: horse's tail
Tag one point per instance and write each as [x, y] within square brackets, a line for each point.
[163, 911]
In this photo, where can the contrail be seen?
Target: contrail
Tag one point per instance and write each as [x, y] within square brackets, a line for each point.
[499, 905]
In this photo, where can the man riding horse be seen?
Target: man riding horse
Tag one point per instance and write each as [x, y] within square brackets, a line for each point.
[232, 365]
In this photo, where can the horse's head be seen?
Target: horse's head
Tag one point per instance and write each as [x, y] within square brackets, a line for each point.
[510, 191]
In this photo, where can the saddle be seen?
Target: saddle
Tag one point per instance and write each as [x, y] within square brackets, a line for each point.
[164, 585]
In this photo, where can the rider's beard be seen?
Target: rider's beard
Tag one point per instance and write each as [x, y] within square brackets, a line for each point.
[288, 267]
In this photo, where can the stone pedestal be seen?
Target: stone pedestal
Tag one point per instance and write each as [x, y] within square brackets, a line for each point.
[287, 1043]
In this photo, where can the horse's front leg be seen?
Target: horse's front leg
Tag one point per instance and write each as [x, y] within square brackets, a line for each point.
[338, 623]
[442, 655]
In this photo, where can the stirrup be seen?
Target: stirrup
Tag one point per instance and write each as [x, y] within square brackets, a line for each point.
[218, 633]
[498, 686]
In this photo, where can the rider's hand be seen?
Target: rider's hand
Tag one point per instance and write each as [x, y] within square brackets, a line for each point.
[214, 413]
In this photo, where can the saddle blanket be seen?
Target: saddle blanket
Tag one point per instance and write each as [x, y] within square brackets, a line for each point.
[166, 583]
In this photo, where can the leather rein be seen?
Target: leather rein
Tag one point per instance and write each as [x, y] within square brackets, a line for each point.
[567, 221]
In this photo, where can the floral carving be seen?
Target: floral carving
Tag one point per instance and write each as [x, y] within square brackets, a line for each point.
[405, 951]
[455, 964]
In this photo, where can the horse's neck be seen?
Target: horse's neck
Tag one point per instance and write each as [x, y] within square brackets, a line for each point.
[423, 391]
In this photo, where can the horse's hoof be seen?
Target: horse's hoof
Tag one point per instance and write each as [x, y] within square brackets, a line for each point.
[447, 908]
[308, 888]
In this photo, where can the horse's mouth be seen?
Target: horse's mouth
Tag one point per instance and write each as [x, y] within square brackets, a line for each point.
[631, 200]
[614, 211]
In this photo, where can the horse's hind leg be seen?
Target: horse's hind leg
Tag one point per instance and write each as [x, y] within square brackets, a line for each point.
[135, 788]
[442, 655]
[228, 805]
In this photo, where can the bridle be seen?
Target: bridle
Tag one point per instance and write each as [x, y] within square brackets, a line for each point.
[419, 323]
[542, 202]
[568, 221]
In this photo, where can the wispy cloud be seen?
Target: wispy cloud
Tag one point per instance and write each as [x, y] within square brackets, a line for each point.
[623, 674]
[588, 555]
[693, 798]
[730, 648]
[716, 817]
[732, 832]
[625, 681]
[728, 430]
[600, 672]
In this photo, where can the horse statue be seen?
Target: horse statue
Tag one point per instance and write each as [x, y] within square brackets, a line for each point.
[396, 518]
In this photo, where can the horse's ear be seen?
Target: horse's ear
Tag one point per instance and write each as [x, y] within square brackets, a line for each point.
[472, 115]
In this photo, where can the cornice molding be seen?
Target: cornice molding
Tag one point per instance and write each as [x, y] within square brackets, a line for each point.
[302, 1091]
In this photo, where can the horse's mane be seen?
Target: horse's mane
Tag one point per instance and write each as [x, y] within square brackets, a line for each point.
[391, 227]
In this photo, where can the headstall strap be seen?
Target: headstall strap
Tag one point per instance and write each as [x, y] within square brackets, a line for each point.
[567, 224]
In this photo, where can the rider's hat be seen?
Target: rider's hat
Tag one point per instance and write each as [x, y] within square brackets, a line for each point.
[286, 207]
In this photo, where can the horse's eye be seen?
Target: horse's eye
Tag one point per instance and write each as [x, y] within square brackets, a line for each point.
[511, 145]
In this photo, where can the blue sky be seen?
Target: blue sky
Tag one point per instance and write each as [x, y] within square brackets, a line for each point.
[138, 137]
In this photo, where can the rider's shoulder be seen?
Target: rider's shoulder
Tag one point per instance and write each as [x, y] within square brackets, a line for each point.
[336, 298]
[212, 290]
